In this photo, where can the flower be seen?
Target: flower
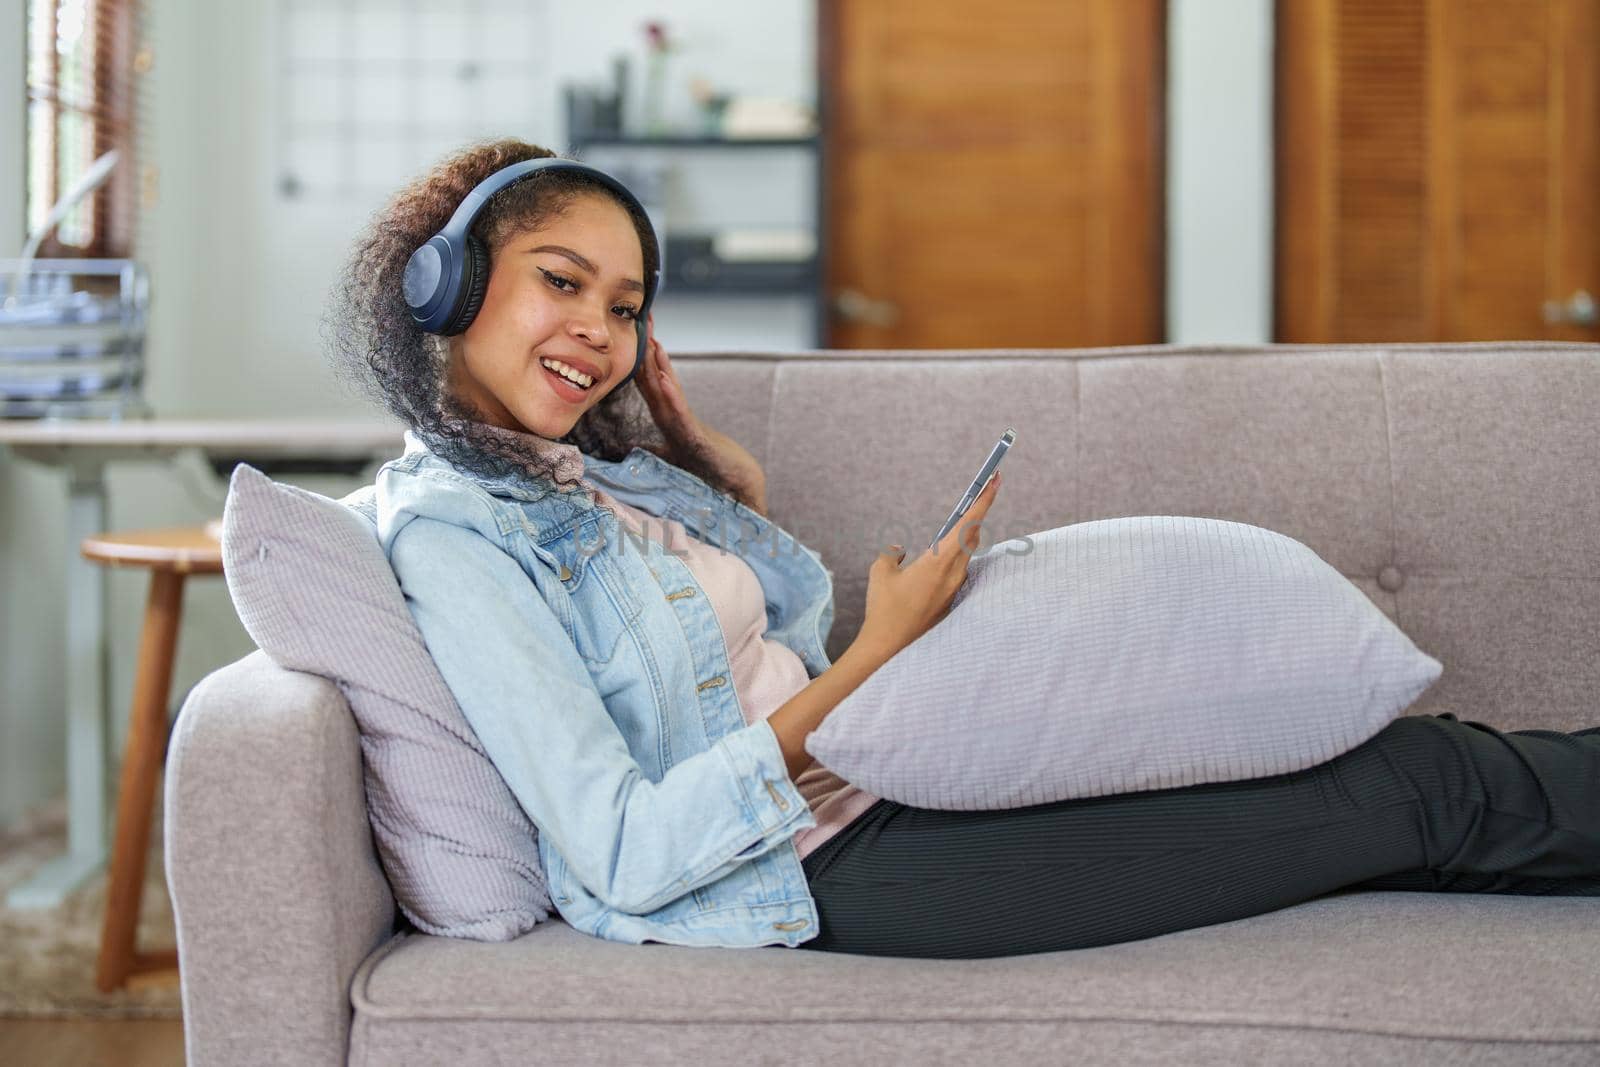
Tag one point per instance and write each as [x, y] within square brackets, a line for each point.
[656, 36]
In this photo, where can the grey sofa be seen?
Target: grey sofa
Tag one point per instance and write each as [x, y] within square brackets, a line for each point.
[1457, 485]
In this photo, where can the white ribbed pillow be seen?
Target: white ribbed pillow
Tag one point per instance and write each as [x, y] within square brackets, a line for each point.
[314, 589]
[1125, 655]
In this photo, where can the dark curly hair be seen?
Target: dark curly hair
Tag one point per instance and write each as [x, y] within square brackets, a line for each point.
[373, 344]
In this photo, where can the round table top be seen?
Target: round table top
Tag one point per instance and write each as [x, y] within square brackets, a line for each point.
[181, 549]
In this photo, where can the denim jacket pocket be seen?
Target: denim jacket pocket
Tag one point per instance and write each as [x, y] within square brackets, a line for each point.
[603, 605]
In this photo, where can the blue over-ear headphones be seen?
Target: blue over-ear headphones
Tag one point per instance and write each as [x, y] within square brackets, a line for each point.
[446, 278]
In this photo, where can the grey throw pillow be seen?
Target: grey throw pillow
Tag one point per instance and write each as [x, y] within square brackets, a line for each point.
[313, 588]
[1125, 655]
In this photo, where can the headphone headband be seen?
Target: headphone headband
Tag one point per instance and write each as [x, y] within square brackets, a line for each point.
[473, 203]
[446, 278]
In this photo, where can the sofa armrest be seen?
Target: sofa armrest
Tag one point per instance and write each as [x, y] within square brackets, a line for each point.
[276, 887]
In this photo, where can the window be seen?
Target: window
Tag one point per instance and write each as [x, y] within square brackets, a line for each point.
[84, 60]
[374, 90]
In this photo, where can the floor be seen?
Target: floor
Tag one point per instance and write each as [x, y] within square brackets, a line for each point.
[92, 1042]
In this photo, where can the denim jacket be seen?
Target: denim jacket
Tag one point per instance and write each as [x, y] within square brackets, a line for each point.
[593, 670]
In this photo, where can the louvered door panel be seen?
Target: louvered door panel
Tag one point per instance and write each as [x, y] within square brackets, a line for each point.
[1380, 181]
[1437, 168]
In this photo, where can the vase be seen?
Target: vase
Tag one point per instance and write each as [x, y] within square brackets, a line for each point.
[655, 80]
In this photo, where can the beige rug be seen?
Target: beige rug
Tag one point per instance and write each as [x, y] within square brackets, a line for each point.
[47, 957]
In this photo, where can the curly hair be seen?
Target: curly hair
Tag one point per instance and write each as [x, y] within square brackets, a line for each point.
[373, 344]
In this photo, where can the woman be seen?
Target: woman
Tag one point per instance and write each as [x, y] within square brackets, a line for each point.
[639, 649]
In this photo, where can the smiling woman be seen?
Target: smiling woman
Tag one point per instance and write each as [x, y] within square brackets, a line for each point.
[558, 330]
[566, 262]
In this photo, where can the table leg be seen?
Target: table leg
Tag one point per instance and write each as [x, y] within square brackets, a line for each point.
[85, 692]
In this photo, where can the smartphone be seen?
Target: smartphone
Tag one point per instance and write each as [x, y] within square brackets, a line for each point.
[984, 474]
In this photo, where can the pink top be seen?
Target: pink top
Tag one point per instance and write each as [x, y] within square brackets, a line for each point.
[766, 673]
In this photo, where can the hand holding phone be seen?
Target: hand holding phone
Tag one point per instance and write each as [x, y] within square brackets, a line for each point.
[905, 600]
[984, 474]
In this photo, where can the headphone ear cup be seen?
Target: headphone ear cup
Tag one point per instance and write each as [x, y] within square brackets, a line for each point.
[475, 267]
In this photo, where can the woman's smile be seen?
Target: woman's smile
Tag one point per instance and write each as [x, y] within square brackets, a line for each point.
[563, 386]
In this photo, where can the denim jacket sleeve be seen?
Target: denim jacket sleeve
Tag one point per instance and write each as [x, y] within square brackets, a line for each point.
[634, 843]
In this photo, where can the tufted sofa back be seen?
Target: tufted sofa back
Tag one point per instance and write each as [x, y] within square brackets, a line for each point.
[1457, 485]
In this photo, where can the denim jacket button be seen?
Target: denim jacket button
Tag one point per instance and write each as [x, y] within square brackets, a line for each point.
[713, 683]
[565, 573]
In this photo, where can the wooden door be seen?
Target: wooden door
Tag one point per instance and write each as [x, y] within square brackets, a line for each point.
[1438, 170]
[995, 174]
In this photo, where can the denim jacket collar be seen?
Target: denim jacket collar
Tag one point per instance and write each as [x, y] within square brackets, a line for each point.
[799, 585]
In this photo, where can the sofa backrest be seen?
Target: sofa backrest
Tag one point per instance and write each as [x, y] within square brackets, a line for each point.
[1457, 485]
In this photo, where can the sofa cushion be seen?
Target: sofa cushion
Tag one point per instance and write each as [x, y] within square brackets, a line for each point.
[1357, 976]
[1125, 655]
[314, 590]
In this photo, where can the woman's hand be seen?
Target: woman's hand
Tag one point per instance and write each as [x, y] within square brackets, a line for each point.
[692, 444]
[903, 603]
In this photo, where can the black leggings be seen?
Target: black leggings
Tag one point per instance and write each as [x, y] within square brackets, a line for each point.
[1429, 803]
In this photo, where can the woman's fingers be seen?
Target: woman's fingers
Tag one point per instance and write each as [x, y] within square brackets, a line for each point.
[987, 494]
[662, 368]
[972, 536]
[904, 602]
[986, 498]
[966, 533]
[889, 559]
[660, 388]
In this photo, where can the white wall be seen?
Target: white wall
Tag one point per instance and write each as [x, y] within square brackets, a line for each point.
[239, 279]
[1219, 177]
[32, 638]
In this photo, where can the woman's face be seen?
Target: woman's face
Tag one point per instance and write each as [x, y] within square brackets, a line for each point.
[568, 291]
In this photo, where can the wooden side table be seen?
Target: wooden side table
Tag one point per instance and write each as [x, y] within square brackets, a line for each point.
[171, 555]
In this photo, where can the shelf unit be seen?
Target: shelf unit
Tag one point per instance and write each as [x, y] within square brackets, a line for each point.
[691, 269]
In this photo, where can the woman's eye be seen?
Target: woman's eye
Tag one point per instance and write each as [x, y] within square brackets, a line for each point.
[560, 282]
[557, 280]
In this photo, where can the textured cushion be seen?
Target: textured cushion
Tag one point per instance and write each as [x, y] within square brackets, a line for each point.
[1393, 978]
[315, 591]
[1124, 655]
